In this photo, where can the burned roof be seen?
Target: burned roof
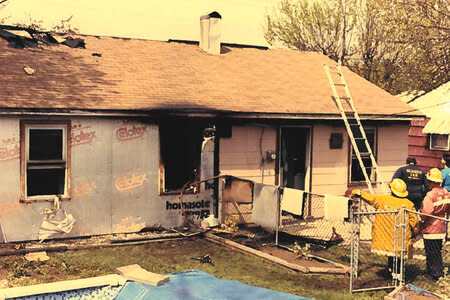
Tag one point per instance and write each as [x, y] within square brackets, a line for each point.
[118, 74]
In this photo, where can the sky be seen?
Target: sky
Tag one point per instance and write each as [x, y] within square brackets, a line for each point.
[242, 20]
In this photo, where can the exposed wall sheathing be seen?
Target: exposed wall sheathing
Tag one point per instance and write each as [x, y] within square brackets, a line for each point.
[114, 181]
[237, 200]
[18, 220]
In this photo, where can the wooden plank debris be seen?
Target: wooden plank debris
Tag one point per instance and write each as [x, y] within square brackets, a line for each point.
[137, 273]
[61, 286]
[236, 246]
[60, 246]
[37, 256]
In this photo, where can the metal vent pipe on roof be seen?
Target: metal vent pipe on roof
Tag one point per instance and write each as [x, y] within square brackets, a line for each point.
[210, 32]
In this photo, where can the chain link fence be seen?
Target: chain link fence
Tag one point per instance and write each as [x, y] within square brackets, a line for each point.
[428, 265]
[383, 248]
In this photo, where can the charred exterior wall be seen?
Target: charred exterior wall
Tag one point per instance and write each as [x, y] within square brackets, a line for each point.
[114, 181]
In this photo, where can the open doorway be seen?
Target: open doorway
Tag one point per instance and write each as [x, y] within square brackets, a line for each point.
[295, 157]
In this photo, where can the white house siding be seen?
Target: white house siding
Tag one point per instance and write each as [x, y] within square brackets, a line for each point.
[329, 166]
[114, 175]
[240, 155]
[392, 149]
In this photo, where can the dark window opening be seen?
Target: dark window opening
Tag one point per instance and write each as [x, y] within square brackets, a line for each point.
[356, 173]
[46, 144]
[45, 182]
[181, 142]
[46, 164]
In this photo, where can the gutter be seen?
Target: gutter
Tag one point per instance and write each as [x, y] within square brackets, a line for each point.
[195, 114]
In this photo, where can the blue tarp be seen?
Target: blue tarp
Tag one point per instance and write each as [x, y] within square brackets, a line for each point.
[420, 291]
[198, 285]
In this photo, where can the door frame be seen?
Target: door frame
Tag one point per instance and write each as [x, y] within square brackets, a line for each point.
[308, 160]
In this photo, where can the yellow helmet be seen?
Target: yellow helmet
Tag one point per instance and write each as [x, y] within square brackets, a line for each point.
[434, 175]
[398, 188]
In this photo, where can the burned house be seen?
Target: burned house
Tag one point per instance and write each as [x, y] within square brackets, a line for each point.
[115, 129]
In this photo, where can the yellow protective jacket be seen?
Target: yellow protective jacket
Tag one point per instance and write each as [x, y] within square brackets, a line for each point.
[383, 227]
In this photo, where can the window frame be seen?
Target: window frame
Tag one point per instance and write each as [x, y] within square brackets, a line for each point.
[437, 148]
[350, 155]
[162, 171]
[25, 127]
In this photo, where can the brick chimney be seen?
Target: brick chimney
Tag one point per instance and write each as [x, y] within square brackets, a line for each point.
[210, 32]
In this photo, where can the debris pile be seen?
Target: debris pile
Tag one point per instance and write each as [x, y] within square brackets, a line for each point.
[21, 37]
[138, 274]
[204, 259]
[55, 221]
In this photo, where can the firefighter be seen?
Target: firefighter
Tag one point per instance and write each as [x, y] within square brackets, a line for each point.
[384, 225]
[436, 203]
[415, 179]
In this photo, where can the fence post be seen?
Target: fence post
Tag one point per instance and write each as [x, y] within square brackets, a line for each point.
[355, 230]
[278, 215]
[403, 244]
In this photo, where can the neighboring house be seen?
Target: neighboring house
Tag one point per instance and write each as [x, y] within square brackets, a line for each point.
[117, 128]
[429, 138]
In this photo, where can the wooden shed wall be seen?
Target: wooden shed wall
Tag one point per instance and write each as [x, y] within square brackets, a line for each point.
[418, 146]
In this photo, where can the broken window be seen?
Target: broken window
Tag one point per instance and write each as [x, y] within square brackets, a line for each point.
[356, 173]
[45, 161]
[180, 142]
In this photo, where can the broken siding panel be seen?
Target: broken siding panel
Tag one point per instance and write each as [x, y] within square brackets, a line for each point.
[240, 155]
[329, 166]
[237, 200]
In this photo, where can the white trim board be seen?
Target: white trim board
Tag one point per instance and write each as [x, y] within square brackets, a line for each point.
[62, 286]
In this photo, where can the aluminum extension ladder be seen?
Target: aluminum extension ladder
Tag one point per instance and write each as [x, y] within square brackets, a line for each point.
[355, 130]
[358, 138]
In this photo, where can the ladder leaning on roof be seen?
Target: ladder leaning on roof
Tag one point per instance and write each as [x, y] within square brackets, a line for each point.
[355, 130]
[358, 138]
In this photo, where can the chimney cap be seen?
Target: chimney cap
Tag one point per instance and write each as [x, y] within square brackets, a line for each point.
[213, 14]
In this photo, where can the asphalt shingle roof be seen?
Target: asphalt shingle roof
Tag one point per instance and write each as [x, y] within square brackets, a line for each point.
[146, 75]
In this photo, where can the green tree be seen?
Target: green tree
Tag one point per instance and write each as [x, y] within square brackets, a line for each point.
[397, 44]
[425, 36]
[312, 26]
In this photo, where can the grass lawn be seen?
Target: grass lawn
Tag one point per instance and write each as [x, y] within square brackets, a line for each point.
[176, 256]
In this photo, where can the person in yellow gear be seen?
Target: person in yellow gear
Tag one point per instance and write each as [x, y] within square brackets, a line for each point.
[383, 227]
